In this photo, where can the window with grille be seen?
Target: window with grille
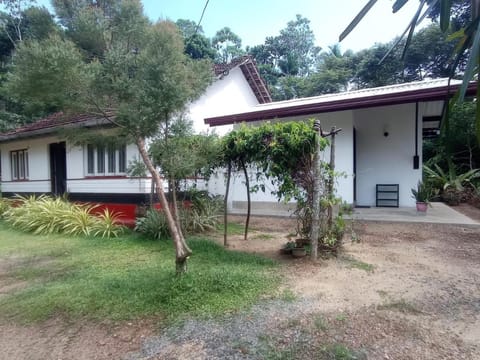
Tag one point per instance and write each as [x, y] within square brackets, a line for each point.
[19, 164]
[106, 160]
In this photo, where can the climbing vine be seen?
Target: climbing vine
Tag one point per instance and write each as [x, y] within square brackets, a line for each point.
[281, 152]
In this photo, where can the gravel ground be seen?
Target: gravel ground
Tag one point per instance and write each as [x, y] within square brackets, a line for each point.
[240, 336]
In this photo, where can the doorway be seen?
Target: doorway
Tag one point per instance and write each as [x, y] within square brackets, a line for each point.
[58, 168]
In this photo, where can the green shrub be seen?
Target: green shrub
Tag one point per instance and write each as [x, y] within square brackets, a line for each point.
[454, 188]
[423, 193]
[4, 206]
[45, 215]
[106, 225]
[203, 215]
[153, 224]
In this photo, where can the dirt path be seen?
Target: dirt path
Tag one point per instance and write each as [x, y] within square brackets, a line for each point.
[405, 291]
[59, 339]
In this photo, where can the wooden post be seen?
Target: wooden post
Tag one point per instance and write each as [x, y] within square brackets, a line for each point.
[317, 184]
[249, 201]
[331, 179]
[225, 207]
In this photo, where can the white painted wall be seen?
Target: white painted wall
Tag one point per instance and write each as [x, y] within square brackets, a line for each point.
[78, 182]
[229, 95]
[110, 186]
[38, 162]
[76, 163]
[39, 170]
[387, 159]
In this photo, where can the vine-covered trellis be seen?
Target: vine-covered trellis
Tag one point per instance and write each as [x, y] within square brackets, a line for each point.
[281, 152]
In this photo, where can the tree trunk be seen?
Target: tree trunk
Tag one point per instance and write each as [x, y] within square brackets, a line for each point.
[249, 202]
[152, 193]
[182, 251]
[176, 216]
[317, 184]
[331, 180]
[225, 207]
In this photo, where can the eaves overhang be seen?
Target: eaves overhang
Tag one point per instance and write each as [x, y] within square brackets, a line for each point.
[383, 99]
[54, 129]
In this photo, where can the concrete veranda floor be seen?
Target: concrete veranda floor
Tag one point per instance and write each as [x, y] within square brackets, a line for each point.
[437, 213]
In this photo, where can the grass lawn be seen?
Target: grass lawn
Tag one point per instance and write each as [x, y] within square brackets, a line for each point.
[125, 278]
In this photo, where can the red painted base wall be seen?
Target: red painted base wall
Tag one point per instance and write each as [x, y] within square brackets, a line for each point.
[127, 213]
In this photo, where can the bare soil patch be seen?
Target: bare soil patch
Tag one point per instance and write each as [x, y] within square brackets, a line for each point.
[61, 339]
[471, 211]
[410, 290]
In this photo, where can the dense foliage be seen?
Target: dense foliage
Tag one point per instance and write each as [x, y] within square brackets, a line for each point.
[45, 215]
[263, 148]
[201, 216]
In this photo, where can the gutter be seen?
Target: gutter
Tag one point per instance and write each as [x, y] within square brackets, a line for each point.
[430, 94]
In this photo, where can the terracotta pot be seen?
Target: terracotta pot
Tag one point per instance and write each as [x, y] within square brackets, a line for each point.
[422, 207]
[299, 252]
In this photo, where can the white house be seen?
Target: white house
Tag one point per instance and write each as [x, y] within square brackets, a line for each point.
[379, 147]
[36, 159]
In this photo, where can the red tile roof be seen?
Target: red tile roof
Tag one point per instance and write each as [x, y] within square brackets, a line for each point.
[50, 124]
[51, 121]
[250, 71]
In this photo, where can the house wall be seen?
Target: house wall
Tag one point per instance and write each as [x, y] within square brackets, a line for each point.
[77, 182]
[38, 162]
[229, 95]
[379, 159]
[387, 159]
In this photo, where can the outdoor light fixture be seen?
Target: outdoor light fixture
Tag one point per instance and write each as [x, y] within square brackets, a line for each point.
[385, 131]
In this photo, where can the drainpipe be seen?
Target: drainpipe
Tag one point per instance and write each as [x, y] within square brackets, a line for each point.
[416, 158]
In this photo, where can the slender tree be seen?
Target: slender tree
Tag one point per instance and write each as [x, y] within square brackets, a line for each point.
[142, 80]
[228, 45]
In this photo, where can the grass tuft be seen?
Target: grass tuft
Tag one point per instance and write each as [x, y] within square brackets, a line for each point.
[288, 295]
[232, 229]
[340, 352]
[358, 264]
[402, 306]
[320, 322]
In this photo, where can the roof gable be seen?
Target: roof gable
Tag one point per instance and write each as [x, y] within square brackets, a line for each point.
[251, 74]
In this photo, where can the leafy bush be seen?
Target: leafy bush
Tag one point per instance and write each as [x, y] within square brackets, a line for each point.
[153, 224]
[454, 188]
[106, 225]
[4, 206]
[443, 180]
[45, 215]
[423, 193]
[203, 215]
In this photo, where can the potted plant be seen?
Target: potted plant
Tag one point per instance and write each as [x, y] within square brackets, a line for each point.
[299, 252]
[287, 247]
[422, 194]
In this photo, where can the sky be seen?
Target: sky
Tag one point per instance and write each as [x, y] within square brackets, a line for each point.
[254, 20]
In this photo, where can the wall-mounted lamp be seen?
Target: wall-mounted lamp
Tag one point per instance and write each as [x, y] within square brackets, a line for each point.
[385, 131]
